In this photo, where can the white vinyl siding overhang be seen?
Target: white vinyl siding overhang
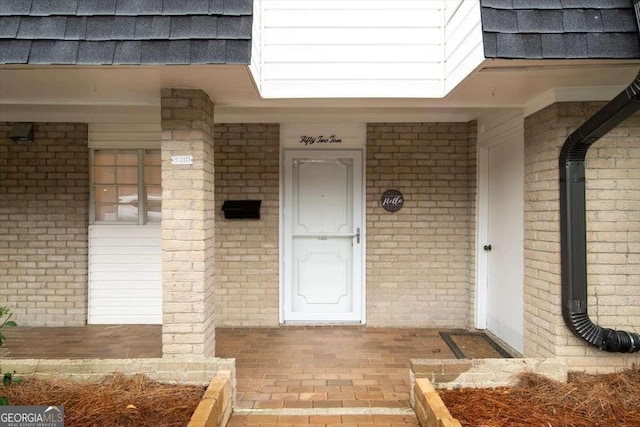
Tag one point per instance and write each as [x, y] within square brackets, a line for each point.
[364, 49]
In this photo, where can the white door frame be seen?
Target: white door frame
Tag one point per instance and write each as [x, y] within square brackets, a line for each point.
[482, 261]
[508, 126]
[362, 220]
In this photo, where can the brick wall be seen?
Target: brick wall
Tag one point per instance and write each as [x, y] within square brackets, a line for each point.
[44, 189]
[613, 226]
[543, 318]
[247, 285]
[420, 260]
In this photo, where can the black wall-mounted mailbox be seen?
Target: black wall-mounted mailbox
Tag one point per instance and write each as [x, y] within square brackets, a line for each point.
[241, 209]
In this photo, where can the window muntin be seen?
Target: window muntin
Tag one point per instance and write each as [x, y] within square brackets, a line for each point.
[152, 187]
[119, 178]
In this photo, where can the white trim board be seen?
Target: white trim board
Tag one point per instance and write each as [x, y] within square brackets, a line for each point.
[80, 113]
[350, 135]
[124, 135]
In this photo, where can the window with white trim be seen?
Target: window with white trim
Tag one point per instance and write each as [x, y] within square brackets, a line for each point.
[126, 186]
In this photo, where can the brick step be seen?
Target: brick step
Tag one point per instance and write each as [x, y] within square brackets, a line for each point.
[309, 404]
[290, 417]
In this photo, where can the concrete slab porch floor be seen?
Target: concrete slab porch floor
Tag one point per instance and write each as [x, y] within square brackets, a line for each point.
[287, 376]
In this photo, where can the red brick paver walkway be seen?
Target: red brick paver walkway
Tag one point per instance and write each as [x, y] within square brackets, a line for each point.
[287, 376]
[82, 342]
[323, 376]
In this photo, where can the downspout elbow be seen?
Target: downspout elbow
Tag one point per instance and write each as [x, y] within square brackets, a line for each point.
[605, 339]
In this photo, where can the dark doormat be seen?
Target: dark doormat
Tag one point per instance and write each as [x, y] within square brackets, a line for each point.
[473, 345]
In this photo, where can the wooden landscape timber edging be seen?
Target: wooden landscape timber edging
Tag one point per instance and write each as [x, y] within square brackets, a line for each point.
[476, 373]
[215, 407]
[430, 409]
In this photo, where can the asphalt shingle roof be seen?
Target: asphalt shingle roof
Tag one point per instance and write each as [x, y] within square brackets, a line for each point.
[125, 31]
[554, 29]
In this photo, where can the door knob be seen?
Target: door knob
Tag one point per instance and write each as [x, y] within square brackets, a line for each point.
[487, 248]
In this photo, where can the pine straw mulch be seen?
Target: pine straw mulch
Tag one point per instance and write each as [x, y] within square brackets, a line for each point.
[609, 400]
[117, 401]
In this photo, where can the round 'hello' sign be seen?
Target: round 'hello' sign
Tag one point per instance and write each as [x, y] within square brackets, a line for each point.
[392, 200]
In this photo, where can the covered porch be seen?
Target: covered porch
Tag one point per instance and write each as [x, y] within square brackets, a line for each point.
[295, 374]
[110, 205]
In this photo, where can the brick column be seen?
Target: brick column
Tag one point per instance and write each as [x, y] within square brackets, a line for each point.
[187, 224]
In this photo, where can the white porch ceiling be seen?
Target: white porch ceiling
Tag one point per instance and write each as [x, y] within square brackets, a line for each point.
[60, 93]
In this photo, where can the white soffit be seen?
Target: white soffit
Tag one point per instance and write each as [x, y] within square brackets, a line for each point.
[134, 85]
[573, 94]
[132, 94]
[509, 83]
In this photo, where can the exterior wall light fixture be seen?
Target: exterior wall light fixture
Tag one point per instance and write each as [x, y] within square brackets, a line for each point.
[22, 132]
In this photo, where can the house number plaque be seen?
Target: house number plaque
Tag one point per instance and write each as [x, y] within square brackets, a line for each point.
[181, 160]
[392, 200]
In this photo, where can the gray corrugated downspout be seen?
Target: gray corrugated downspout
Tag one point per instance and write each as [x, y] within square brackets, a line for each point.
[573, 228]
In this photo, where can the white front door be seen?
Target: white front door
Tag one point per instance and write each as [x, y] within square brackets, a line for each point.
[323, 232]
[504, 245]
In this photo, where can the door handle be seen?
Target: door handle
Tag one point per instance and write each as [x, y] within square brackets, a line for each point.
[357, 235]
[487, 248]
